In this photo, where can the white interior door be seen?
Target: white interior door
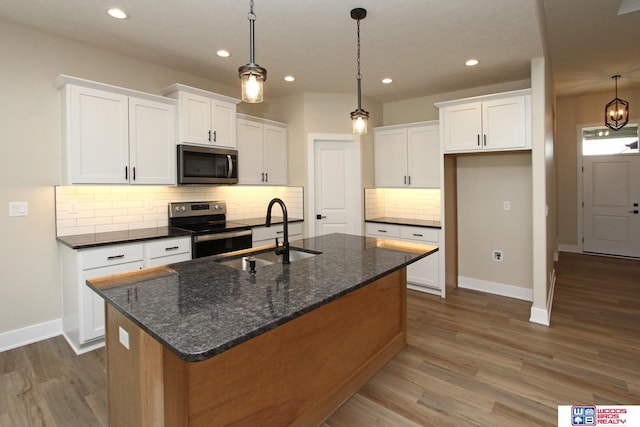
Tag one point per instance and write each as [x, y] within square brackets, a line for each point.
[611, 193]
[336, 187]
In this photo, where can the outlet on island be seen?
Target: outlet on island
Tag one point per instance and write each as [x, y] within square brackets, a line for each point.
[497, 255]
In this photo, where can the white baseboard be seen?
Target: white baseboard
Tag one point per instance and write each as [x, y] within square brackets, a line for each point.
[30, 334]
[569, 248]
[540, 315]
[495, 288]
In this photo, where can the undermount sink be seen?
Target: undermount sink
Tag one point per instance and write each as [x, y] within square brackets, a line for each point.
[264, 258]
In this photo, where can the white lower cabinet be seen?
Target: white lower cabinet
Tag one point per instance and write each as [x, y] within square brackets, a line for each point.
[263, 236]
[422, 275]
[83, 309]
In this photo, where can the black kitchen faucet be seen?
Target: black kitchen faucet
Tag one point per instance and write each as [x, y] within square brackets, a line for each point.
[284, 249]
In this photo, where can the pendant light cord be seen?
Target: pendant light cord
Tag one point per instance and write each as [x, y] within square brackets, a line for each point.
[252, 19]
[358, 76]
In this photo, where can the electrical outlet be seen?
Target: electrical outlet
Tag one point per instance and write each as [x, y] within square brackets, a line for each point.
[497, 255]
[506, 205]
[18, 209]
[124, 337]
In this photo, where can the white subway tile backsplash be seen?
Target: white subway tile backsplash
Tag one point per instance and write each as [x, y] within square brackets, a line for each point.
[95, 209]
[421, 204]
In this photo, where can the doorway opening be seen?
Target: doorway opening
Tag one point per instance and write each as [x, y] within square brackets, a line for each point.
[609, 177]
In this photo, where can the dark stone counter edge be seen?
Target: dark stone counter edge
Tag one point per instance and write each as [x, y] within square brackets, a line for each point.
[198, 357]
[92, 240]
[409, 222]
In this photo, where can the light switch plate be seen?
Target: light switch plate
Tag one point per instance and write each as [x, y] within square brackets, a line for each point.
[18, 209]
[124, 337]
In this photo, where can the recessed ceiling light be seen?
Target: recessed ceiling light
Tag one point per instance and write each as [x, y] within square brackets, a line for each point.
[223, 53]
[471, 62]
[387, 80]
[117, 13]
[289, 78]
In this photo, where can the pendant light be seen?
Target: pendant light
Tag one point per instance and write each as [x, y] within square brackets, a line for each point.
[616, 113]
[252, 75]
[359, 117]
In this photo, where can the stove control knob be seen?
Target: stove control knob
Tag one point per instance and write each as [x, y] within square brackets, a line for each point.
[183, 208]
[177, 209]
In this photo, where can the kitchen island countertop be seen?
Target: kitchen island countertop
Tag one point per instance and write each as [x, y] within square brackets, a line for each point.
[201, 308]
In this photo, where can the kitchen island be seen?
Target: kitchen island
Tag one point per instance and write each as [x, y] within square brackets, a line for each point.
[204, 343]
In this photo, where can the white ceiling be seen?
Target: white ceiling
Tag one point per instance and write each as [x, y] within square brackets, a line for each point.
[421, 44]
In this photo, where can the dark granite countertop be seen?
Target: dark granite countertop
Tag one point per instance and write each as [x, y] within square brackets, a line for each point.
[83, 241]
[404, 221]
[202, 307]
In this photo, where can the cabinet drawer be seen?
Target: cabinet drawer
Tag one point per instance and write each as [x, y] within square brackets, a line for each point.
[111, 255]
[382, 230]
[167, 247]
[277, 230]
[419, 233]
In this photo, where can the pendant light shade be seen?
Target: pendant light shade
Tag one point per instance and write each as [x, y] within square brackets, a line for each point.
[359, 117]
[252, 75]
[616, 112]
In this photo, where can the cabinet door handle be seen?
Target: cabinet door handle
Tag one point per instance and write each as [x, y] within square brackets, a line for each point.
[635, 211]
[172, 248]
[115, 257]
[382, 231]
[409, 179]
[485, 139]
[417, 235]
[266, 177]
[215, 136]
[126, 173]
[280, 232]
[209, 135]
[478, 140]
[405, 180]
[262, 179]
[134, 173]
[230, 166]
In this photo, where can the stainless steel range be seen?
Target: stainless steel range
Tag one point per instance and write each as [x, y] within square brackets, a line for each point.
[212, 233]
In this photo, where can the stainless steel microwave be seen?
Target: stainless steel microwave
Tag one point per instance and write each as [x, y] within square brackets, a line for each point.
[206, 165]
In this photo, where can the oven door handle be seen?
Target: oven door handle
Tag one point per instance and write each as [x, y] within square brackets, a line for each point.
[220, 236]
[230, 162]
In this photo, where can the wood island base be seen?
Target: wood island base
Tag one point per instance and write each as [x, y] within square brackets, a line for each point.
[296, 374]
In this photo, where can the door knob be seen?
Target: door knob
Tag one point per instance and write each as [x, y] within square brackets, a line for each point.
[318, 216]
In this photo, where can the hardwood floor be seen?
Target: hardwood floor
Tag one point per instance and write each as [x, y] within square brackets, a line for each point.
[472, 359]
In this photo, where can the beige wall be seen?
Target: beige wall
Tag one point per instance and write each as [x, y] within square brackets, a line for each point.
[485, 182]
[422, 108]
[544, 189]
[572, 112]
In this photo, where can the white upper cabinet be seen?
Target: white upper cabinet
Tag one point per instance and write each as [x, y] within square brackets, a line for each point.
[204, 118]
[407, 155]
[152, 148]
[116, 136]
[497, 122]
[262, 151]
